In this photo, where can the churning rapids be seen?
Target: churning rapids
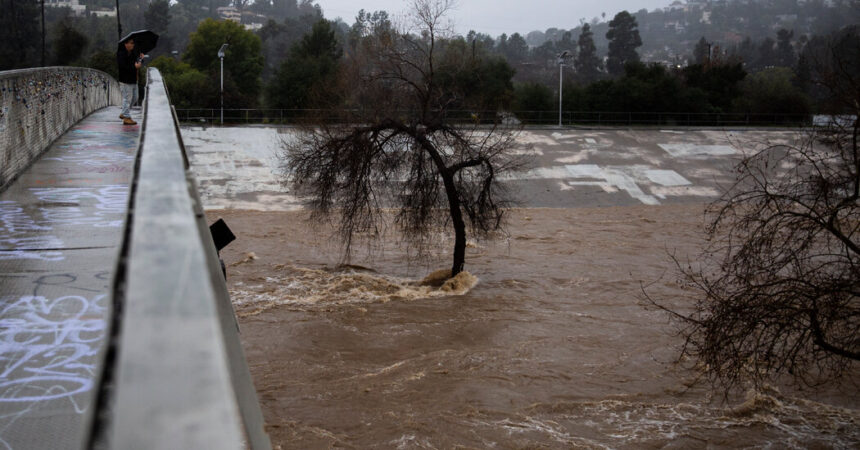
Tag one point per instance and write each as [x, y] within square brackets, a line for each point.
[543, 344]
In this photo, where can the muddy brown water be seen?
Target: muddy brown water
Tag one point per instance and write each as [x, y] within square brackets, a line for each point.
[547, 347]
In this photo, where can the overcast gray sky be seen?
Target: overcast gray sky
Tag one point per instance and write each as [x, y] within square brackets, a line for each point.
[495, 17]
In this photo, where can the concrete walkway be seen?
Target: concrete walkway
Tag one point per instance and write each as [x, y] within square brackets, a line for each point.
[60, 228]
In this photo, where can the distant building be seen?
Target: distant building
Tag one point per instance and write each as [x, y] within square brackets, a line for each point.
[229, 13]
[676, 5]
[103, 12]
[75, 5]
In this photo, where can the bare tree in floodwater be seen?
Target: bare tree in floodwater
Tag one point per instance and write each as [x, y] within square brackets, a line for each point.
[777, 290]
[396, 147]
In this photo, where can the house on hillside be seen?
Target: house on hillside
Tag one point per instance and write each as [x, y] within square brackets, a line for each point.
[103, 12]
[229, 13]
[75, 5]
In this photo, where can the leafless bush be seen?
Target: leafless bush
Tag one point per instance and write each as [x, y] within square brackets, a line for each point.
[777, 289]
[397, 148]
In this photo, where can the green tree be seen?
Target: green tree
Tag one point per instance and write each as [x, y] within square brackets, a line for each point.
[516, 50]
[624, 39]
[533, 100]
[188, 87]
[308, 78]
[368, 24]
[279, 38]
[243, 62]
[773, 91]
[474, 80]
[721, 82]
[105, 61]
[587, 64]
[68, 44]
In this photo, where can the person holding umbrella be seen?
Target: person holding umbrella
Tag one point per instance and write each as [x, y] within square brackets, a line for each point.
[128, 60]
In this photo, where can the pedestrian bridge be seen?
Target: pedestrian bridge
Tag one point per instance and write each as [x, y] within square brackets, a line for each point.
[116, 328]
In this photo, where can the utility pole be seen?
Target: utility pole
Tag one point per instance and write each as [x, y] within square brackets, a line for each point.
[118, 24]
[43, 33]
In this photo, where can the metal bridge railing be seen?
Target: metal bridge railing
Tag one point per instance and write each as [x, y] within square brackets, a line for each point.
[569, 118]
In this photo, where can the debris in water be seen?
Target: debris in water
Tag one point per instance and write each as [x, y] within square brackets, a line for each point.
[250, 256]
[436, 278]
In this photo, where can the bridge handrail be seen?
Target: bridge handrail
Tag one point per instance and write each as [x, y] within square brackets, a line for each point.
[38, 105]
[177, 377]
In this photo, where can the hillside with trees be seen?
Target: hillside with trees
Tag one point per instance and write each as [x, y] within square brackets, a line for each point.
[698, 57]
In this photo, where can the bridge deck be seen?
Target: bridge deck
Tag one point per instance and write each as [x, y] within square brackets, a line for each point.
[60, 226]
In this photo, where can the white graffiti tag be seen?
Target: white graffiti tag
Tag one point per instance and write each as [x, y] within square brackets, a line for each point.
[48, 347]
[21, 237]
[110, 205]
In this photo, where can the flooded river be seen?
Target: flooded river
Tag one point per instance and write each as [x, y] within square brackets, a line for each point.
[545, 345]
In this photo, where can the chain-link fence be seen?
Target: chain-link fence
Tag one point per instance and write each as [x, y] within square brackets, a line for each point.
[568, 118]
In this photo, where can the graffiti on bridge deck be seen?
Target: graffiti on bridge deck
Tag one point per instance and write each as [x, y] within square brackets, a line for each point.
[48, 346]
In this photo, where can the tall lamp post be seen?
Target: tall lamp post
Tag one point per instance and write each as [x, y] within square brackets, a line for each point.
[221, 55]
[561, 58]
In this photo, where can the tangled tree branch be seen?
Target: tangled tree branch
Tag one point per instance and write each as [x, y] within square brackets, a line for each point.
[777, 289]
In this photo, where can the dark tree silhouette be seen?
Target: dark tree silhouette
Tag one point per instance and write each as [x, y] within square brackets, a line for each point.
[308, 77]
[400, 149]
[68, 44]
[777, 290]
[624, 39]
[19, 25]
[586, 62]
[785, 54]
[702, 52]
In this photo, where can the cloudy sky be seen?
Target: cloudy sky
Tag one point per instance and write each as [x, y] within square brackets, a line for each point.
[495, 17]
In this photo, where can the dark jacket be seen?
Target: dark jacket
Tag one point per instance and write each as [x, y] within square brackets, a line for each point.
[125, 62]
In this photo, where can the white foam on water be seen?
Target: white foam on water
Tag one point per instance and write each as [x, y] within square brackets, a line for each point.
[558, 136]
[683, 191]
[576, 157]
[313, 288]
[529, 137]
[632, 423]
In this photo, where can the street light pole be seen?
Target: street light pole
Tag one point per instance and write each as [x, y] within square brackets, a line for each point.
[221, 55]
[118, 23]
[560, 76]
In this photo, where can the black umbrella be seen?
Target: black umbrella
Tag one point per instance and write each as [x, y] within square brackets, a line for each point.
[144, 40]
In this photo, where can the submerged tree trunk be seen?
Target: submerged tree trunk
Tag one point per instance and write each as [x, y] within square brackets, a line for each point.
[459, 224]
[457, 221]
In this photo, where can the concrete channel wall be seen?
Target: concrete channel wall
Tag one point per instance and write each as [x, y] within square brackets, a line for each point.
[38, 105]
[177, 377]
